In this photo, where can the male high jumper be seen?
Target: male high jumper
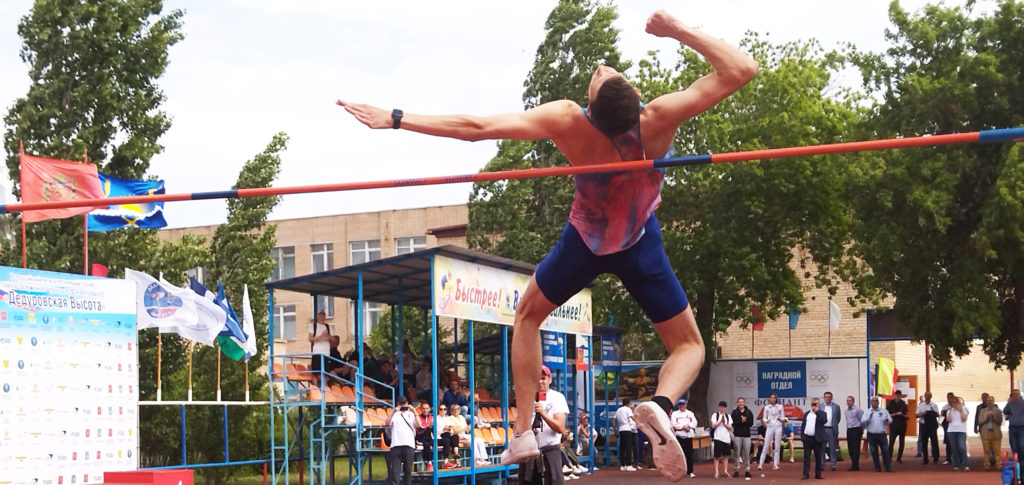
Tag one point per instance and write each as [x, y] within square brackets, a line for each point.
[611, 227]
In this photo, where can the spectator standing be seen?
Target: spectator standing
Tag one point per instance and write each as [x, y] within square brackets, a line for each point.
[721, 430]
[742, 420]
[956, 415]
[814, 438]
[945, 427]
[928, 411]
[627, 435]
[875, 425]
[684, 422]
[977, 412]
[989, 420]
[551, 411]
[854, 431]
[773, 419]
[830, 433]
[1014, 412]
[319, 344]
[403, 442]
[898, 410]
[425, 434]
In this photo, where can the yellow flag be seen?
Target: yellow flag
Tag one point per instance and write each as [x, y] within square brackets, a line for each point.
[887, 374]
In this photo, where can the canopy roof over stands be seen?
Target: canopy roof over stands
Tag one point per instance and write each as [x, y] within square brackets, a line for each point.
[402, 279]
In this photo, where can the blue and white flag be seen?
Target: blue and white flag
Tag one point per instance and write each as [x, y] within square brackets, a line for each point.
[144, 216]
[175, 310]
[231, 337]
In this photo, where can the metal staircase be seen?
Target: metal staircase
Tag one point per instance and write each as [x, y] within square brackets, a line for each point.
[314, 412]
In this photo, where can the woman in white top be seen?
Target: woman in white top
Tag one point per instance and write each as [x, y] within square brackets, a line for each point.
[773, 419]
[957, 432]
[683, 424]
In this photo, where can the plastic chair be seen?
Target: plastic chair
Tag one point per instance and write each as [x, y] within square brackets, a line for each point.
[278, 371]
[315, 394]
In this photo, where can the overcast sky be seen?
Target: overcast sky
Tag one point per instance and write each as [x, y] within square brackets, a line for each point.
[250, 68]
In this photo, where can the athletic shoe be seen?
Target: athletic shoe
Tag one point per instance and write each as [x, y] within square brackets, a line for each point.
[430, 467]
[668, 455]
[736, 474]
[483, 463]
[581, 470]
[571, 477]
[692, 475]
[449, 464]
[746, 476]
[521, 448]
[623, 469]
[566, 470]
[967, 468]
[630, 468]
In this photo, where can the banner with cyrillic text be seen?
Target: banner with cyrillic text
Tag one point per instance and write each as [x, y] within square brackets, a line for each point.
[481, 293]
[68, 377]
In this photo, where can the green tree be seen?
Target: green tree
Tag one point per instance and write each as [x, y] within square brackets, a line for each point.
[240, 255]
[938, 226]
[520, 219]
[93, 68]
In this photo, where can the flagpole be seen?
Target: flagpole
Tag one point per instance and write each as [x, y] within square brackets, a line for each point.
[24, 252]
[216, 348]
[85, 229]
[159, 348]
[830, 339]
[246, 381]
[190, 348]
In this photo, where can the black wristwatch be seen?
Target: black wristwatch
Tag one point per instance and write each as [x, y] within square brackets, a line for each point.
[396, 115]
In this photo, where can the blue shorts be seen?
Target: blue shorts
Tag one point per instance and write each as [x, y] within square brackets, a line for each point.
[643, 269]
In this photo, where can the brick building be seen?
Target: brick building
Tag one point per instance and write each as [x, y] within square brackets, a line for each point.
[314, 244]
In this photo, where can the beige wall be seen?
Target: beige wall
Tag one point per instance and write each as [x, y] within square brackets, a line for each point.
[340, 230]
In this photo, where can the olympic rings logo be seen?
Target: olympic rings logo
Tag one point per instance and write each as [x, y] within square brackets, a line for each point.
[818, 377]
[743, 379]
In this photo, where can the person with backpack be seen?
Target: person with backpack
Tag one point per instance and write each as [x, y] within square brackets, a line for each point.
[721, 430]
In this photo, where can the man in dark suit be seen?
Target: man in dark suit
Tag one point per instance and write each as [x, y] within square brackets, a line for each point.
[831, 436]
[814, 437]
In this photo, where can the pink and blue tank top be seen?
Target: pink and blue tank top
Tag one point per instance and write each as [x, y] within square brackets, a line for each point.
[610, 209]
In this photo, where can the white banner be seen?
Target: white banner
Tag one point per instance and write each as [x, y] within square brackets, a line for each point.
[481, 293]
[68, 377]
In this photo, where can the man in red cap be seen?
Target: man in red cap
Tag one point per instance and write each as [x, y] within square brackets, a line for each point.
[611, 227]
[548, 427]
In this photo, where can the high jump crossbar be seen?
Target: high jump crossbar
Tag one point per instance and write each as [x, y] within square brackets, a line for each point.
[983, 136]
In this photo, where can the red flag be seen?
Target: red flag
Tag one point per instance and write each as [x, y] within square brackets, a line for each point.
[48, 179]
[99, 270]
[758, 318]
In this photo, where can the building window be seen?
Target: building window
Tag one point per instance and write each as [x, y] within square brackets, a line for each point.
[364, 251]
[371, 315]
[325, 303]
[323, 257]
[199, 273]
[284, 263]
[284, 322]
[405, 245]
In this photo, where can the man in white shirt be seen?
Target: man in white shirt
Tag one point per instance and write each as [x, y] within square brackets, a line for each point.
[403, 442]
[627, 435]
[683, 424]
[814, 438]
[319, 342]
[831, 429]
[549, 410]
[928, 412]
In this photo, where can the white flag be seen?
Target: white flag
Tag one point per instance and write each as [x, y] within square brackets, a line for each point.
[248, 325]
[175, 310]
[833, 315]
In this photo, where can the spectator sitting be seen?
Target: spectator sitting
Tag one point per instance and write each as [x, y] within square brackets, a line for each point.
[457, 426]
[452, 396]
[388, 377]
[335, 362]
[584, 433]
[424, 380]
[425, 434]
[787, 440]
